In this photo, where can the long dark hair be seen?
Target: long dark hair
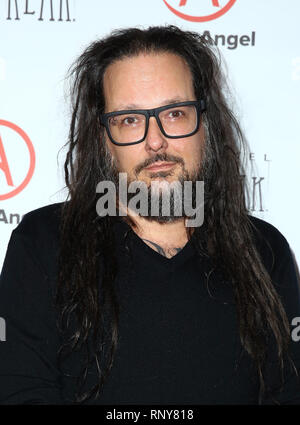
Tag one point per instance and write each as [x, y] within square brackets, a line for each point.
[87, 250]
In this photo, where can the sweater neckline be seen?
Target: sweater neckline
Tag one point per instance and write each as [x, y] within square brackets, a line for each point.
[142, 249]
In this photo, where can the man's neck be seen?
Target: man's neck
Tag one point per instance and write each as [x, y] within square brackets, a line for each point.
[165, 238]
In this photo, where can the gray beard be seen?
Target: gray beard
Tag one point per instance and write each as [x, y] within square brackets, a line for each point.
[202, 173]
[170, 196]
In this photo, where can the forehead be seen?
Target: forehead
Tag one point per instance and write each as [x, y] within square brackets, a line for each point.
[146, 81]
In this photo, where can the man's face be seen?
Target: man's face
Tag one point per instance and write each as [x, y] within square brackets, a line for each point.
[148, 81]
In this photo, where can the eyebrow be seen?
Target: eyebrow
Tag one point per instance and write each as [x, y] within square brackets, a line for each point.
[136, 106]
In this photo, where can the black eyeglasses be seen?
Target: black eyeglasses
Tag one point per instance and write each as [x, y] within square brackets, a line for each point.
[129, 127]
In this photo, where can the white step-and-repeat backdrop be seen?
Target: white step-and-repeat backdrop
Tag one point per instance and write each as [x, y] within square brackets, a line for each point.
[259, 41]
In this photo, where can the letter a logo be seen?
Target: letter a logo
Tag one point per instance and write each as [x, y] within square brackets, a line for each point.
[17, 160]
[199, 11]
[4, 164]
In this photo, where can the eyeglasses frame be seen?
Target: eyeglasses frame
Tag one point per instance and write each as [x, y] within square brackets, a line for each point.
[148, 113]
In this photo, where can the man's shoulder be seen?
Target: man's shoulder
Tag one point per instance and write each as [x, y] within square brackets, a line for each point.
[36, 238]
[271, 243]
[267, 230]
[43, 216]
[41, 223]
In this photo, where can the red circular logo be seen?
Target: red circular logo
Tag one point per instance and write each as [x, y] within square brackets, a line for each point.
[212, 10]
[15, 177]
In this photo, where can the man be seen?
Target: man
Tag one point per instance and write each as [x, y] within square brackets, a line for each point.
[141, 308]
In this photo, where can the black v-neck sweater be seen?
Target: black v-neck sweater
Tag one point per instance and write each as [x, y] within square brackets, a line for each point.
[178, 334]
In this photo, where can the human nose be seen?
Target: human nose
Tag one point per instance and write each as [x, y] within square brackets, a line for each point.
[155, 140]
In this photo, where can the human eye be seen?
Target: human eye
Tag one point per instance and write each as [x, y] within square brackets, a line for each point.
[129, 120]
[175, 114]
[126, 120]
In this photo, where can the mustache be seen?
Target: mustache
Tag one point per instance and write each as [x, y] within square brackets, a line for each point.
[157, 158]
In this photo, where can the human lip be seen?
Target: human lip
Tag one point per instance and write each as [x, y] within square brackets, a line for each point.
[160, 166]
